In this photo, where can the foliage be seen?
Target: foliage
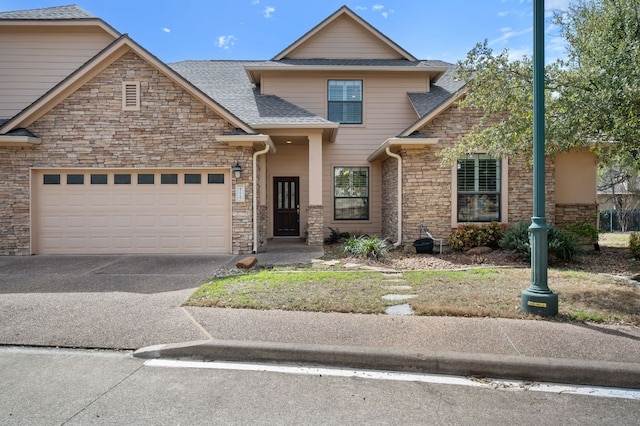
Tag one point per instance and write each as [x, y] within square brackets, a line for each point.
[634, 244]
[562, 245]
[619, 183]
[364, 246]
[592, 97]
[336, 236]
[516, 240]
[582, 229]
[471, 235]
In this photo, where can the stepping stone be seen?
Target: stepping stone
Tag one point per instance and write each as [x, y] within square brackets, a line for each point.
[351, 265]
[398, 296]
[404, 309]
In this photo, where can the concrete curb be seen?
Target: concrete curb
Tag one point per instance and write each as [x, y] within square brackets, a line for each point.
[555, 370]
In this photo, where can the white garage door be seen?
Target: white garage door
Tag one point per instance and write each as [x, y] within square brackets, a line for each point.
[131, 211]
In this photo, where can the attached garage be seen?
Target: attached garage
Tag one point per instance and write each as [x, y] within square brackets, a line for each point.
[98, 211]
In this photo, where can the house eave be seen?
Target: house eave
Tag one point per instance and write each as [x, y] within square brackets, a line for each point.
[399, 143]
[61, 23]
[247, 140]
[255, 72]
[18, 141]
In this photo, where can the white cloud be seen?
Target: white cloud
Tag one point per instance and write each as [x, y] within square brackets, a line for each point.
[361, 8]
[377, 7]
[166, 30]
[255, 2]
[268, 11]
[508, 33]
[226, 42]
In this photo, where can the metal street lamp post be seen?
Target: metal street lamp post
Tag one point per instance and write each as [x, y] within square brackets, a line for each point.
[538, 299]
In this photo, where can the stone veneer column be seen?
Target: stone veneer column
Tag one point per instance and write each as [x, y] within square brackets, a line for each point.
[315, 219]
[315, 231]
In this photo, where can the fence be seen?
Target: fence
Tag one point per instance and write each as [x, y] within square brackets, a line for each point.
[610, 220]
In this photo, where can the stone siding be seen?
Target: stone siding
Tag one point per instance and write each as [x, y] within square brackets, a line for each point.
[315, 234]
[90, 130]
[428, 184]
[569, 213]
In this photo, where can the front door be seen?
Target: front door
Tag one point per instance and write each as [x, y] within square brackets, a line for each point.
[286, 202]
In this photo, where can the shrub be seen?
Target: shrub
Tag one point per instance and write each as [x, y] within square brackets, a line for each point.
[471, 235]
[583, 230]
[516, 240]
[365, 246]
[336, 236]
[562, 245]
[634, 244]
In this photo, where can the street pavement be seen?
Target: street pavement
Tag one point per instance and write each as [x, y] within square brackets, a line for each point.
[42, 386]
[134, 302]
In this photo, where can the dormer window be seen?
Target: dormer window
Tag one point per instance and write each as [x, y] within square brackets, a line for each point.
[345, 101]
[131, 96]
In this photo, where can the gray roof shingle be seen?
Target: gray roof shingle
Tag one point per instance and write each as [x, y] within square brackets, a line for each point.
[443, 89]
[227, 83]
[48, 13]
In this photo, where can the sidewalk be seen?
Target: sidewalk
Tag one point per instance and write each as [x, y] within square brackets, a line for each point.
[496, 348]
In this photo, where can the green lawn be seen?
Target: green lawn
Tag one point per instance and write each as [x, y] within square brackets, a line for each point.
[485, 292]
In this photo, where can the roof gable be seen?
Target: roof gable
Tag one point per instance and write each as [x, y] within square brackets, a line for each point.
[97, 64]
[344, 35]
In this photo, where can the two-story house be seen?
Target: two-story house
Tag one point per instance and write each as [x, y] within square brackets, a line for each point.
[106, 149]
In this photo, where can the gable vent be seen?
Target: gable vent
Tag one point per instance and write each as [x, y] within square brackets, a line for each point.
[131, 96]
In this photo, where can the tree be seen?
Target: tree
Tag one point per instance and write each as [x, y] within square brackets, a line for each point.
[619, 184]
[592, 96]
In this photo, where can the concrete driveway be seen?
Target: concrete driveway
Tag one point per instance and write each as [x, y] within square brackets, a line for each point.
[123, 302]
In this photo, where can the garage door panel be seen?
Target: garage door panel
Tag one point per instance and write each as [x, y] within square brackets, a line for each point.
[130, 218]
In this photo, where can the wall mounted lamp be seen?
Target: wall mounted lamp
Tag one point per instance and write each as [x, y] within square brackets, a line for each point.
[237, 169]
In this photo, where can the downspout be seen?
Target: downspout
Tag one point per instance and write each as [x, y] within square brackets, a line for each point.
[399, 158]
[255, 195]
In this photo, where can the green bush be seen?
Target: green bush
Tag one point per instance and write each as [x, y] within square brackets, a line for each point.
[634, 244]
[336, 236]
[365, 246]
[583, 230]
[562, 245]
[471, 235]
[516, 240]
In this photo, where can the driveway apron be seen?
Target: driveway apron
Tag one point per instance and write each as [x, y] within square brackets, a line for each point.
[119, 302]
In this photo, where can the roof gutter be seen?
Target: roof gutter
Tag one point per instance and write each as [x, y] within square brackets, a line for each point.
[399, 158]
[267, 148]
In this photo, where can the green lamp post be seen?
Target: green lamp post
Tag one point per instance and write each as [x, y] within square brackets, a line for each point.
[538, 299]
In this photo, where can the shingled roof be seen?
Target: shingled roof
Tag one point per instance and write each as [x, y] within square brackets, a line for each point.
[443, 89]
[227, 83]
[49, 13]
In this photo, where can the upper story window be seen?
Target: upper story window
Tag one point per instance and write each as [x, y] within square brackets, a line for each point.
[479, 188]
[345, 101]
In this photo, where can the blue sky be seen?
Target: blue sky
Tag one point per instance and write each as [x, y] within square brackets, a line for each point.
[175, 30]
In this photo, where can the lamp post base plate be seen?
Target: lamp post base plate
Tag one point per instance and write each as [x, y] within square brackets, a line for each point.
[542, 304]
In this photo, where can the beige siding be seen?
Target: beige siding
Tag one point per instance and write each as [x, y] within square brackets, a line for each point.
[576, 177]
[39, 60]
[386, 112]
[344, 39]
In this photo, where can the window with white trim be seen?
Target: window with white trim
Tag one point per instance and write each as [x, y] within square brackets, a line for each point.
[130, 95]
[351, 193]
[345, 101]
[479, 188]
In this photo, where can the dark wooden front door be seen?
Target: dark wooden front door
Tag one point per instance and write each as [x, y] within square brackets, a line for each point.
[286, 202]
